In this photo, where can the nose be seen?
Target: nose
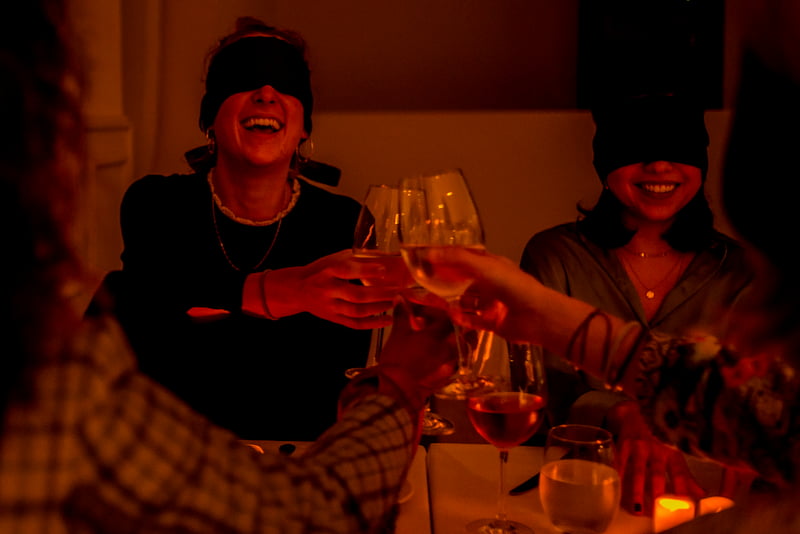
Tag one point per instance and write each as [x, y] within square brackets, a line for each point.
[266, 94]
[658, 166]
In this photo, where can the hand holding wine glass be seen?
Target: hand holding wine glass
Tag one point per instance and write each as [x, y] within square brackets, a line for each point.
[437, 212]
[506, 415]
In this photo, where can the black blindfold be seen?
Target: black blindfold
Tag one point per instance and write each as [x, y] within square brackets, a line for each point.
[251, 63]
[650, 128]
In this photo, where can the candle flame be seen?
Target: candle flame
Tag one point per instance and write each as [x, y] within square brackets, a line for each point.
[674, 504]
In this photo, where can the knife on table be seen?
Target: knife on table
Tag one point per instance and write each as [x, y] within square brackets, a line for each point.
[531, 483]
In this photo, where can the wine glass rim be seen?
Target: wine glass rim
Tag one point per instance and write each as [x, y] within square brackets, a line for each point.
[382, 186]
[601, 435]
[435, 172]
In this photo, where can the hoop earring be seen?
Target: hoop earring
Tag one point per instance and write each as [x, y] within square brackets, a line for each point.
[304, 150]
[211, 141]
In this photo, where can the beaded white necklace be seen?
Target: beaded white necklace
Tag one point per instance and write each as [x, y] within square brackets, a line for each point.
[228, 213]
[295, 184]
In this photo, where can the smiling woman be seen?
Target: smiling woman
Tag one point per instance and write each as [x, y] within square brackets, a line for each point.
[236, 285]
[647, 251]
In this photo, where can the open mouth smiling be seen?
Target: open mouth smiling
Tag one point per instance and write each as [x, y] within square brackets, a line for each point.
[262, 124]
[658, 188]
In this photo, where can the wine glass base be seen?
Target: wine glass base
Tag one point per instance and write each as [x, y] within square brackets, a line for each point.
[495, 526]
[435, 425]
[463, 387]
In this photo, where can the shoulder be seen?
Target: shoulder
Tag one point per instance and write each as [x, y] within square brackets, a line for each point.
[156, 186]
[561, 237]
[729, 249]
[324, 200]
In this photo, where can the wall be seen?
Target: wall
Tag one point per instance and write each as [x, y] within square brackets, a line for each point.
[527, 169]
[109, 140]
[399, 88]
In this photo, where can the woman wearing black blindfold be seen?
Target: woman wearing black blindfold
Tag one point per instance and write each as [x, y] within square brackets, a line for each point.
[236, 284]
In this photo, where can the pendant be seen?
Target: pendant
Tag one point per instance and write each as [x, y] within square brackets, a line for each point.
[650, 294]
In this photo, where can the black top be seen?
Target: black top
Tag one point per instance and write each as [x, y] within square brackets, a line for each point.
[262, 379]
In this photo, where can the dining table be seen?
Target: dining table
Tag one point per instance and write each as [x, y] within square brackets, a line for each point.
[453, 483]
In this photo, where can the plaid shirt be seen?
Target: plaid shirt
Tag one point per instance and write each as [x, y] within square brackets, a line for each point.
[101, 448]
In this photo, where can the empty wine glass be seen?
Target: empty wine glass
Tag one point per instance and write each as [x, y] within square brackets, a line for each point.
[506, 415]
[437, 212]
[579, 468]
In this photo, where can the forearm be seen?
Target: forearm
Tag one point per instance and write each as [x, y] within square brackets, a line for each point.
[599, 344]
[270, 294]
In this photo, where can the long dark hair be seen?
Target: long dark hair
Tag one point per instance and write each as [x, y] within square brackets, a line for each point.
[41, 158]
[691, 231]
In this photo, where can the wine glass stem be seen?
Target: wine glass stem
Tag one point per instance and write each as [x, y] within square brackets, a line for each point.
[378, 345]
[501, 496]
[464, 353]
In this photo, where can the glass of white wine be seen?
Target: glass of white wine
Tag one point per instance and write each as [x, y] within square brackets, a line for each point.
[376, 239]
[437, 212]
[579, 468]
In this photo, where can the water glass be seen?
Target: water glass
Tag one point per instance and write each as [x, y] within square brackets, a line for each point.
[579, 486]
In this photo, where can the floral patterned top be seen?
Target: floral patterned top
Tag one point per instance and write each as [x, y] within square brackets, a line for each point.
[711, 401]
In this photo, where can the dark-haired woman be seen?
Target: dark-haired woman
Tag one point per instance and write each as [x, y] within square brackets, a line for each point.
[236, 287]
[647, 252]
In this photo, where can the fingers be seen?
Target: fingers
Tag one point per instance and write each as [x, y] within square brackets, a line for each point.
[637, 475]
[683, 482]
[642, 464]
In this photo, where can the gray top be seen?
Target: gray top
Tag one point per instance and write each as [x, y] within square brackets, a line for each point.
[564, 259]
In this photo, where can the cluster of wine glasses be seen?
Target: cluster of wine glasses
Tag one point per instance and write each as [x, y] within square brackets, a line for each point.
[505, 390]
[424, 213]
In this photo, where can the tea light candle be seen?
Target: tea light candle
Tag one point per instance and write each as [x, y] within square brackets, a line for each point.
[672, 510]
[712, 505]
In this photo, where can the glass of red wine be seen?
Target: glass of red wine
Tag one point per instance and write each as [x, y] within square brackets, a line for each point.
[507, 415]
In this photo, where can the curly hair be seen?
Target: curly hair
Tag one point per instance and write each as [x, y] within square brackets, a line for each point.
[41, 158]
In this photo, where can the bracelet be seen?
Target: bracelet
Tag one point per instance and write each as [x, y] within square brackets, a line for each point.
[262, 288]
[581, 336]
[614, 375]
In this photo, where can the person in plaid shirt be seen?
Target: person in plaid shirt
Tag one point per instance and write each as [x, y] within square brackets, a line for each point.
[90, 444]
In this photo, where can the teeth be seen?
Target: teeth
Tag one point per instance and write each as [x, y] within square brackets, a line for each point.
[262, 122]
[658, 188]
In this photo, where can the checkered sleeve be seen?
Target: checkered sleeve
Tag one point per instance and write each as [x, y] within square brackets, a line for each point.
[105, 448]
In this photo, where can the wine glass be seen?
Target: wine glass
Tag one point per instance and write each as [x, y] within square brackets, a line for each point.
[437, 212]
[507, 414]
[579, 468]
[376, 239]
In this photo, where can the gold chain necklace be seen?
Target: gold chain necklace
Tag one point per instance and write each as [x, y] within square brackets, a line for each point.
[225, 252]
[649, 292]
[647, 254]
